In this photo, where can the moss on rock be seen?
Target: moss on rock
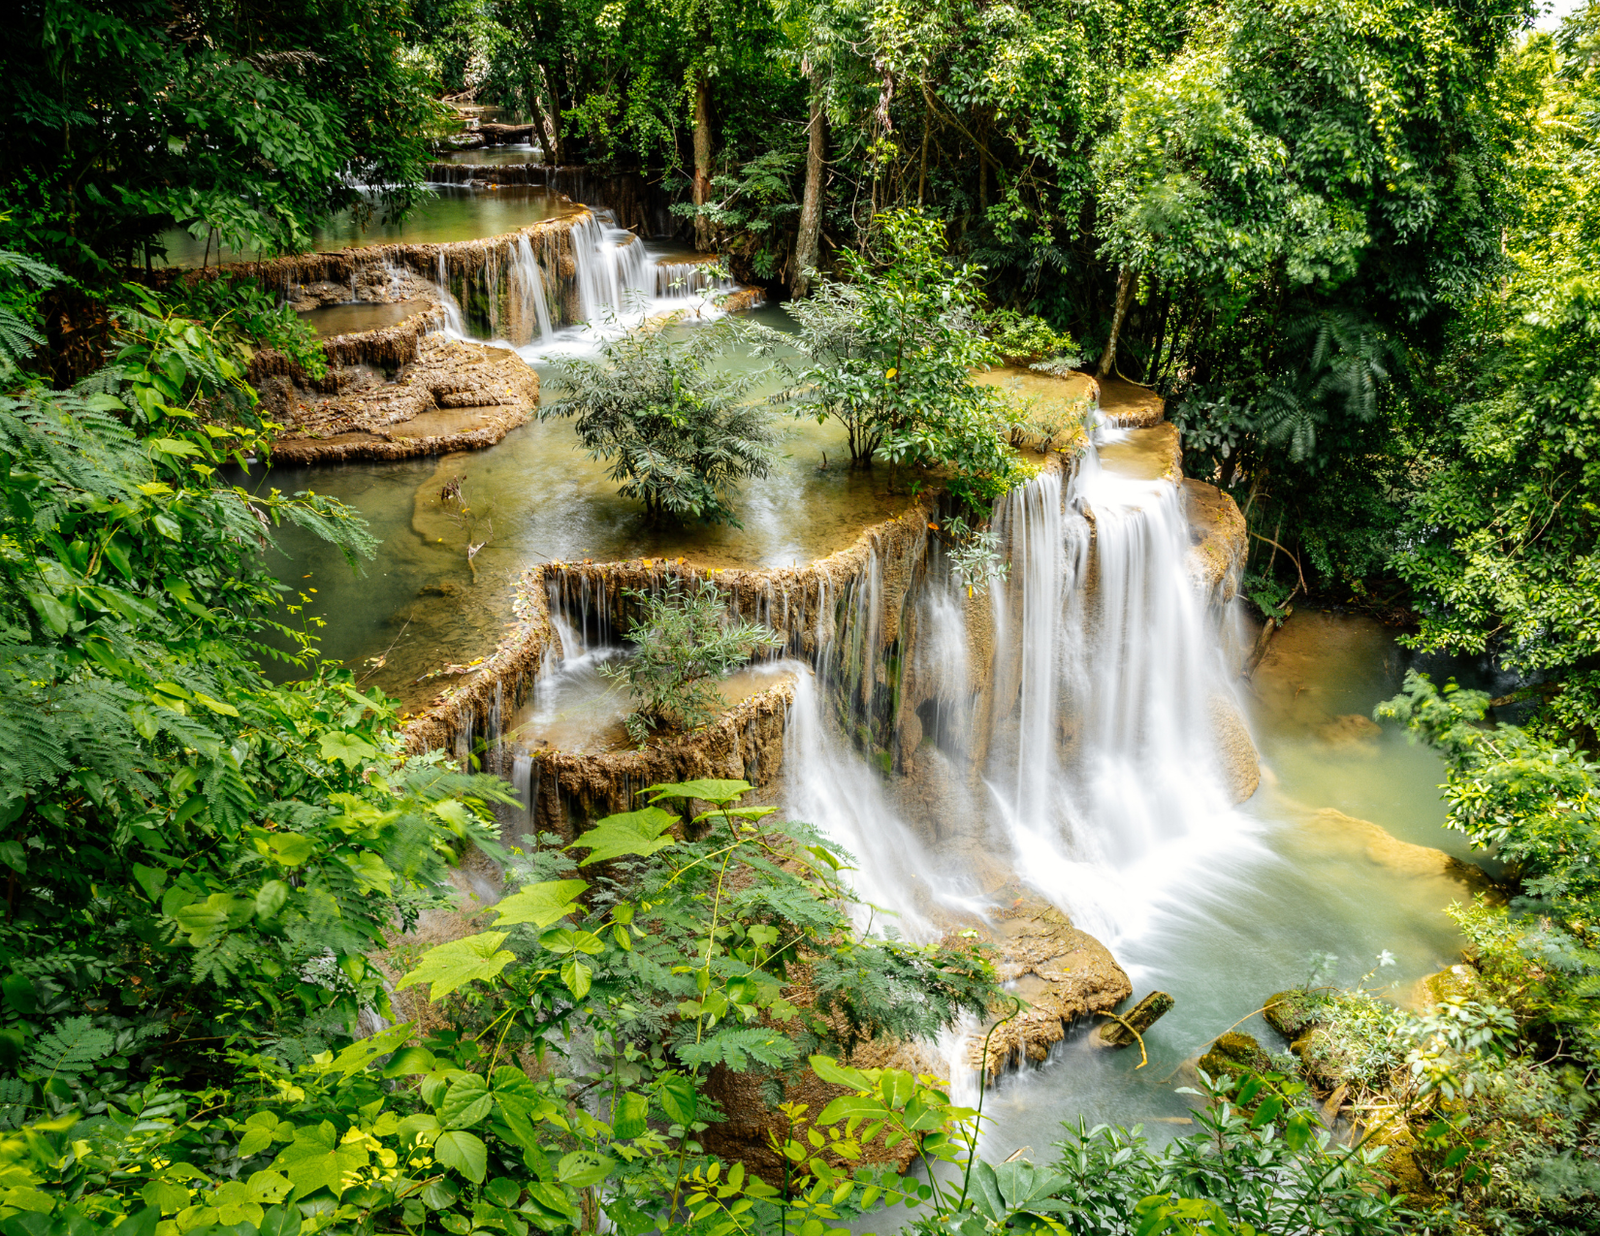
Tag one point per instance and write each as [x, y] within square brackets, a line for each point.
[1291, 1013]
[1235, 1055]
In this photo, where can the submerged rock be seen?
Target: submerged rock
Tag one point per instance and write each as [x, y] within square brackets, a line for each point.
[1235, 1054]
[1236, 751]
[1350, 730]
[1383, 848]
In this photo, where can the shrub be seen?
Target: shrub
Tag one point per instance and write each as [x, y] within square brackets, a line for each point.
[679, 434]
[684, 644]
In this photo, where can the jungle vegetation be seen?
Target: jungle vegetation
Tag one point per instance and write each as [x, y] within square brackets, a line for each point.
[1355, 244]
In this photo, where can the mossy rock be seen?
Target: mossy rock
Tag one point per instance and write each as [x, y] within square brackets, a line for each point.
[1235, 1055]
[1291, 1013]
[1455, 985]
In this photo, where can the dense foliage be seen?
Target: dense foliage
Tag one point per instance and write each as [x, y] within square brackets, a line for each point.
[1352, 243]
[677, 431]
[683, 644]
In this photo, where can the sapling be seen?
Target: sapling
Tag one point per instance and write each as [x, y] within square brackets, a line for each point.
[685, 641]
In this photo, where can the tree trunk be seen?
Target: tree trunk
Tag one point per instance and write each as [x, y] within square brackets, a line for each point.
[807, 246]
[1124, 296]
[702, 160]
[543, 129]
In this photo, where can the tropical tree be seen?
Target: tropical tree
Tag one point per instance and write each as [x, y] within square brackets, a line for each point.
[678, 432]
[887, 349]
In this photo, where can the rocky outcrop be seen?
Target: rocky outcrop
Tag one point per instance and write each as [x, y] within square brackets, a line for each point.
[1236, 751]
[744, 744]
[823, 604]
[1129, 405]
[1063, 974]
[1221, 542]
[451, 396]
[1234, 1054]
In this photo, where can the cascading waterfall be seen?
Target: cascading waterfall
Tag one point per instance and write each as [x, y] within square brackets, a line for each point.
[528, 287]
[682, 279]
[831, 786]
[615, 276]
[1100, 772]
[455, 323]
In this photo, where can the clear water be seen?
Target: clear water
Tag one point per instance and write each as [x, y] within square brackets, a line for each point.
[453, 213]
[359, 316]
[537, 497]
[497, 156]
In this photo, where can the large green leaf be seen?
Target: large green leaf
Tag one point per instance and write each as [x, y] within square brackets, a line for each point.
[364, 1052]
[719, 792]
[629, 1117]
[465, 1152]
[540, 904]
[317, 1159]
[449, 966]
[633, 832]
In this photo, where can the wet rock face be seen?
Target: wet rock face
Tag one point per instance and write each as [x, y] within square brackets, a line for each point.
[1236, 752]
[1064, 974]
[452, 396]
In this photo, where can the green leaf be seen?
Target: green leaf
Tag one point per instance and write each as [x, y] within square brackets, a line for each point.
[270, 898]
[346, 748]
[466, 1102]
[408, 1062]
[576, 976]
[316, 1159]
[553, 1200]
[449, 966]
[465, 1152]
[205, 920]
[829, 1069]
[633, 832]
[583, 1169]
[719, 792]
[150, 880]
[502, 1191]
[289, 849]
[165, 1196]
[364, 1052]
[678, 1098]
[540, 904]
[630, 1117]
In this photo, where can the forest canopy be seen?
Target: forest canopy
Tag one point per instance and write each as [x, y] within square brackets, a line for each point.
[1352, 245]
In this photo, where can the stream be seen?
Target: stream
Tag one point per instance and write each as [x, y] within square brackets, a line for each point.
[1080, 756]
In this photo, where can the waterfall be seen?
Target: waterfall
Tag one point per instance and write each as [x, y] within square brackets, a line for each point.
[683, 279]
[455, 324]
[828, 784]
[615, 276]
[528, 285]
[1084, 726]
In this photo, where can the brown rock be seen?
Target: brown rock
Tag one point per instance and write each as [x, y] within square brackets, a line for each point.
[1236, 752]
[1236, 1055]
[1061, 972]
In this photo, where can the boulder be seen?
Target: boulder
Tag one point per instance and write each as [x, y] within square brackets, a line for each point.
[1236, 751]
[1235, 1054]
[1291, 1013]
[1064, 974]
